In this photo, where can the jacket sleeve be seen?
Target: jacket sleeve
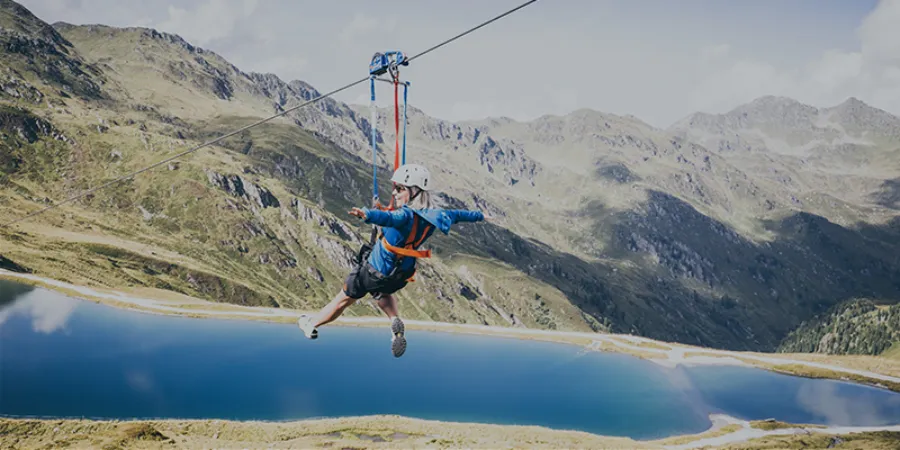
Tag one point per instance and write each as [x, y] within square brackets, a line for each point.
[391, 219]
[461, 215]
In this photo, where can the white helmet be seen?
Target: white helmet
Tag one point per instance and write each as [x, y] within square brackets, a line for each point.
[412, 175]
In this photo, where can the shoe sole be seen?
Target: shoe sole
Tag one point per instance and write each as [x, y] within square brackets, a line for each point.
[398, 342]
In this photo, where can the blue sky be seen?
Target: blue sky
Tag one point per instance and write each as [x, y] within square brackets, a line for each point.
[659, 60]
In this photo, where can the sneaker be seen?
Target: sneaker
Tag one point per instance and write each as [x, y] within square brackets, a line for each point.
[398, 340]
[306, 325]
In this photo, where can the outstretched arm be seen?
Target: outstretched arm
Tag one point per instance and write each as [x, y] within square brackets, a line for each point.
[391, 219]
[461, 215]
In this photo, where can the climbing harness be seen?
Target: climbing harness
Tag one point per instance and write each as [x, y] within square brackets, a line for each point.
[408, 250]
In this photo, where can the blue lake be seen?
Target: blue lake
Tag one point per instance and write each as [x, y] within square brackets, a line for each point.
[63, 357]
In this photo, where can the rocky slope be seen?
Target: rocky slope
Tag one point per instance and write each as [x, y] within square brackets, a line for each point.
[848, 154]
[35, 51]
[603, 222]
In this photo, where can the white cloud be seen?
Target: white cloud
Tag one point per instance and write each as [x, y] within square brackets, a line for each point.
[363, 25]
[48, 310]
[738, 81]
[140, 381]
[107, 12]
[476, 109]
[823, 399]
[287, 67]
[713, 52]
[880, 34]
[215, 19]
[54, 6]
[871, 73]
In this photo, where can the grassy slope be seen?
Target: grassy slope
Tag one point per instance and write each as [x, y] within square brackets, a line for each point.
[893, 352]
[854, 327]
[369, 432]
[363, 432]
[883, 440]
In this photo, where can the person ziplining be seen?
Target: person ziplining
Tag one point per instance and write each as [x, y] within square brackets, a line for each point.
[386, 265]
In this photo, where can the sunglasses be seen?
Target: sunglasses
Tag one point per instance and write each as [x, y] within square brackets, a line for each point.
[398, 188]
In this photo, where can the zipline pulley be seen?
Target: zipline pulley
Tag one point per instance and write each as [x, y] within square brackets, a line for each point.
[387, 61]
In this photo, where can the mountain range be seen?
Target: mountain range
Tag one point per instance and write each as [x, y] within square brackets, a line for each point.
[723, 230]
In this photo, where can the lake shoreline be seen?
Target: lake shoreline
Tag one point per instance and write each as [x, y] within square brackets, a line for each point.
[663, 353]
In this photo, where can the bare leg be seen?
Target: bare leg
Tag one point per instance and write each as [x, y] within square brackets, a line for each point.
[388, 304]
[334, 309]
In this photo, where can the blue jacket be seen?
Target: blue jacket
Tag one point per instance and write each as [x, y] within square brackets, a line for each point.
[398, 224]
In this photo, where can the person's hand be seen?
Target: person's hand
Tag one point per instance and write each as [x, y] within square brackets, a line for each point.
[358, 213]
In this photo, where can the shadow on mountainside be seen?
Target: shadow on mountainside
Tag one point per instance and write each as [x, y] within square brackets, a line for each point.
[693, 280]
[643, 300]
[10, 291]
[748, 294]
[889, 195]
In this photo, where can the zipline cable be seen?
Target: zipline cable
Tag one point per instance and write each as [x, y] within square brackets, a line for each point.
[412, 58]
[205, 144]
[260, 122]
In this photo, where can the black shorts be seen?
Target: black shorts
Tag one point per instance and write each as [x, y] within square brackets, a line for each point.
[364, 279]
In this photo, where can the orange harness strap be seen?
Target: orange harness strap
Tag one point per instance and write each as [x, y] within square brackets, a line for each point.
[424, 233]
[412, 234]
[408, 248]
[403, 251]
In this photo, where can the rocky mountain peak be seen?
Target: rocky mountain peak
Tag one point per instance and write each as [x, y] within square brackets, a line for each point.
[18, 19]
[773, 111]
[856, 113]
[33, 46]
[304, 89]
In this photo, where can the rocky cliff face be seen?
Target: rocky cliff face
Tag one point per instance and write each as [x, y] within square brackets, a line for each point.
[240, 187]
[34, 49]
